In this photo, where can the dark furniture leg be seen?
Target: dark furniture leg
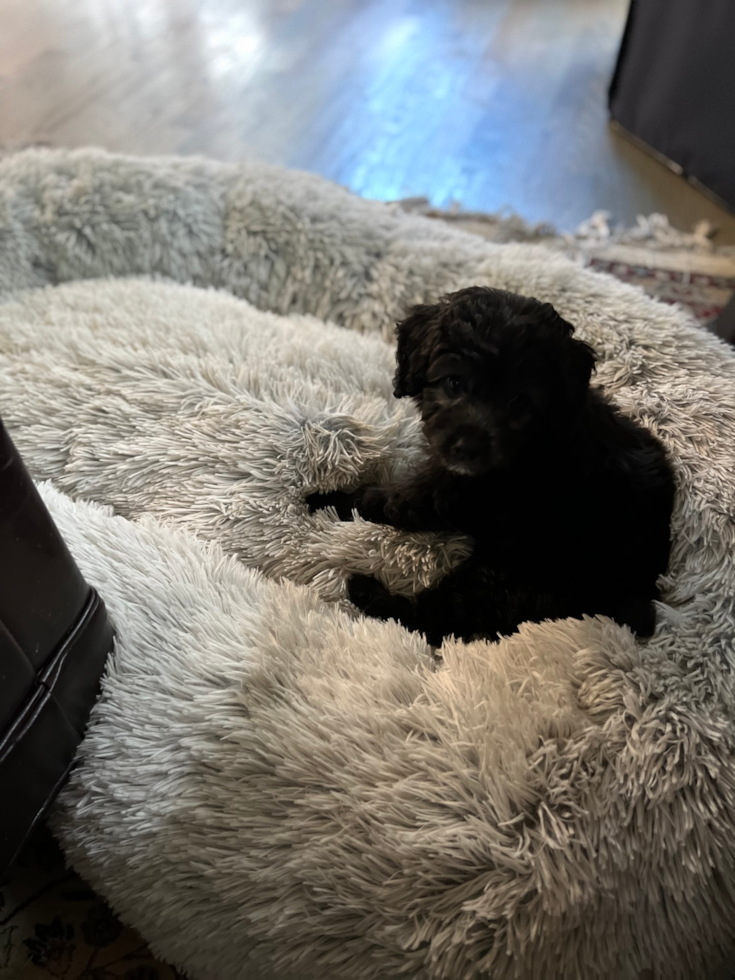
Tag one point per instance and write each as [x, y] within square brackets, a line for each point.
[54, 641]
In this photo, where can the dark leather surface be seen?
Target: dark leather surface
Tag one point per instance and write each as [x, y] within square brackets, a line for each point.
[41, 589]
[54, 641]
[16, 674]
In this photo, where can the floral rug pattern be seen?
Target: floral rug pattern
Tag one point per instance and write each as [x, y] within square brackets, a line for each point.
[53, 925]
[704, 296]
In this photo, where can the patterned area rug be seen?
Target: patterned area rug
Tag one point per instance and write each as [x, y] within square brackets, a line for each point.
[51, 924]
[686, 268]
[703, 295]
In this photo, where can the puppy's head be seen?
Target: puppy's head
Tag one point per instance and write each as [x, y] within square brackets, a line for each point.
[497, 376]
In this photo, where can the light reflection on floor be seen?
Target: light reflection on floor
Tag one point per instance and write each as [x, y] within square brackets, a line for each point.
[491, 103]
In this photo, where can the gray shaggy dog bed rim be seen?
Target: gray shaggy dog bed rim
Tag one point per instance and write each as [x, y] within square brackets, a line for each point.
[558, 805]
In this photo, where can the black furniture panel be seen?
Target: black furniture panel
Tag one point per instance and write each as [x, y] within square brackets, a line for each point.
[674, 87]
[54, 641]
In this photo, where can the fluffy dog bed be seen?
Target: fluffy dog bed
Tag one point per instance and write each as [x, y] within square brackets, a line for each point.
[271, 786]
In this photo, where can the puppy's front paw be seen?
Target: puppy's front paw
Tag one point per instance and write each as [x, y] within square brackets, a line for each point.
[342, 502]
[366, 592]
[375, 600]
[638, 614]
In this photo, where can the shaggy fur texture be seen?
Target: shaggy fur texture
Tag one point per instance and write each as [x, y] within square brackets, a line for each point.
[567, 501]
[269, 786]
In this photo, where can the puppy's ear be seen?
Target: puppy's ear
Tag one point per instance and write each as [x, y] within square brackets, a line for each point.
[578, 368]
[584, 358]
[578, 361]
[416, 338]
[555, 324]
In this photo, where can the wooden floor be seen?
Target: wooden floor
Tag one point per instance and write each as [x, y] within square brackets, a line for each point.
[493, 103]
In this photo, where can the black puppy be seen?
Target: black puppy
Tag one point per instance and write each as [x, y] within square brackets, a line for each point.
[567, 500]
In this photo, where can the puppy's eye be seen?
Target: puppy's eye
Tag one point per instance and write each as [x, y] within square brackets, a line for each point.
[452, 384]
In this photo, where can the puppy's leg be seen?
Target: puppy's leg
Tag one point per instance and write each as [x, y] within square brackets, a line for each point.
[636, 612]
[368, 501]
[453, 607]
[371, 597]
[342, 500]
[408, 506]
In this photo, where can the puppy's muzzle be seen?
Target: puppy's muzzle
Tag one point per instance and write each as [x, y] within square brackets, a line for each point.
[469, 451]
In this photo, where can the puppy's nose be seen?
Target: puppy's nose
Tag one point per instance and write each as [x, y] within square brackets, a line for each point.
[471, 446]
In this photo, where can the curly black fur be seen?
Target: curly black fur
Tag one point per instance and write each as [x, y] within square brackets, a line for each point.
[567, 500]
